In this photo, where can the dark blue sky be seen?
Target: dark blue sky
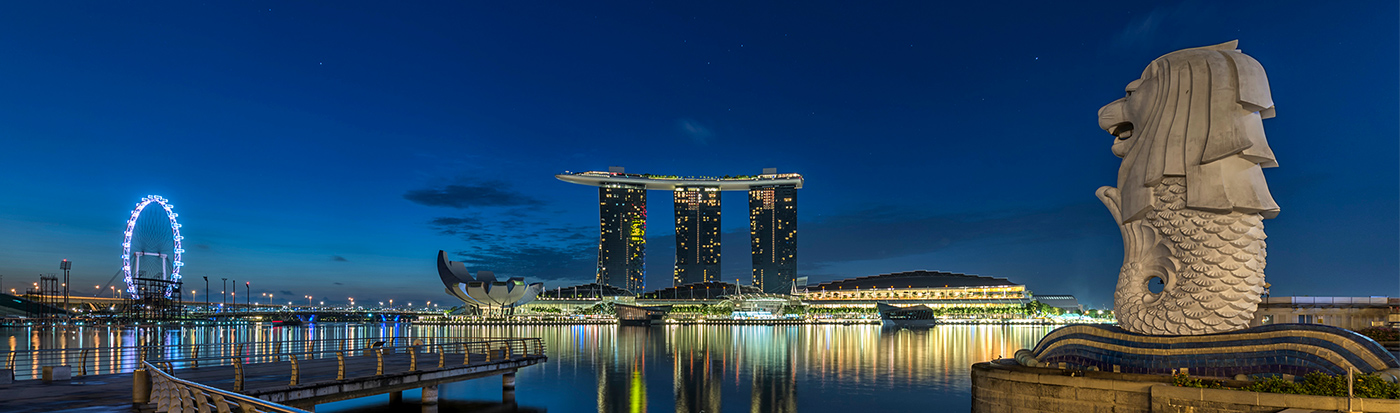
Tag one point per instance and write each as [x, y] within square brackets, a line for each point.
[333, 149]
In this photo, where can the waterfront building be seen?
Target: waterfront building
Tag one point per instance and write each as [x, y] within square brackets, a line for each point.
[622, 225]
[697, 234]
[622, 232]
[1061, 301]
[594, 291]
[1352, 313]
[934, 289]
[715, 290]
[483, 292]
[773, 236]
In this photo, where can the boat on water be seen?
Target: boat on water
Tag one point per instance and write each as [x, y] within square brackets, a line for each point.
[631, 315]
[912, 316]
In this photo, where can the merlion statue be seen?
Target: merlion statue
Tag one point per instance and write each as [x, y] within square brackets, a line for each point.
[1191, 196]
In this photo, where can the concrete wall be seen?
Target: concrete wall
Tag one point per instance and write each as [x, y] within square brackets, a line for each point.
[1000, 388]
[1168, 398]
[1027, 389]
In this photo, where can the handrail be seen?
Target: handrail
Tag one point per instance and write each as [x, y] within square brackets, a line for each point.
[489, 350]
[27, 364]
[170, 393]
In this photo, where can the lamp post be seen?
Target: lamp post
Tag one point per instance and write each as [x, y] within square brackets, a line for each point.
[223, 295]
[247, 294]
[206, 292]
[65, 266]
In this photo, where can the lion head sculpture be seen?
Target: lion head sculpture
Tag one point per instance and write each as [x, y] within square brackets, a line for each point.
[1195, 113]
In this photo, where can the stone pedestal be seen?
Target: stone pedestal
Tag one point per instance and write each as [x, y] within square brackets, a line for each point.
[52, 373]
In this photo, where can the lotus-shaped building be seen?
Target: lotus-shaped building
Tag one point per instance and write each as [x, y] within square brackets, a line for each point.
[483, 290]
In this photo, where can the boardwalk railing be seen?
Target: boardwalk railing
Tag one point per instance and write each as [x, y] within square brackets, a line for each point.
[28, 364]
[422, 354]
[170, 394]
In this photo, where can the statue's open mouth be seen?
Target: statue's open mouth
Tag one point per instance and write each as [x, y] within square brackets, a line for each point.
[1123, 130]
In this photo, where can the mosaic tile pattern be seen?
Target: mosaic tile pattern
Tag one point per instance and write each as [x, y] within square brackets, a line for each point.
[1276, 348]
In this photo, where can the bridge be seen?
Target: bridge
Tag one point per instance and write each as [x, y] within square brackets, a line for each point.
[278, 376]
[46, 309]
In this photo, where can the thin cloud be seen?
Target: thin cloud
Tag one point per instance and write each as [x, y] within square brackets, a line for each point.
[456, 225]
[696, 131]
[338, 258]
[463, 196]
[1164, 24]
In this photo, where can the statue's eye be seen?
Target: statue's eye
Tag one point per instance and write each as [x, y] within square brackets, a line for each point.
[1130, 93]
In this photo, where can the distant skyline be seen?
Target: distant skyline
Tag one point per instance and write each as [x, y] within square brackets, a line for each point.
[333, 149]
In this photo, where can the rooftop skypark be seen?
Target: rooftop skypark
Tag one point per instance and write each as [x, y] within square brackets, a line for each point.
[668, 182]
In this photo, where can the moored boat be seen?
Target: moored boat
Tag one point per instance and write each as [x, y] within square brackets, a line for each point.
[912, 316]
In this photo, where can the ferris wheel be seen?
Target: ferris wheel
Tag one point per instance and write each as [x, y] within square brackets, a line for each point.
[151, 248]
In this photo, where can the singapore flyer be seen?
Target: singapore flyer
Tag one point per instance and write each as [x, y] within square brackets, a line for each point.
[152, 246]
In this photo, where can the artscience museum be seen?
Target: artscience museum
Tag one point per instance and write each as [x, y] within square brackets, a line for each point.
[483, 291]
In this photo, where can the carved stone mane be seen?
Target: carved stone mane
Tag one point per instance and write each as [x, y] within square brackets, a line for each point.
[1197, 113]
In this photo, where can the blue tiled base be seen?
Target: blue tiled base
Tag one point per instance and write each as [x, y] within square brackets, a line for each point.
[1277, 348]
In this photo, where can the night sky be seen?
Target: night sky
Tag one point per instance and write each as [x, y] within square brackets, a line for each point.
[331, 149]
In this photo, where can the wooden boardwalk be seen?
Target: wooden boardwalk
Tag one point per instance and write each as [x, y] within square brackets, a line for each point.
[317, 384]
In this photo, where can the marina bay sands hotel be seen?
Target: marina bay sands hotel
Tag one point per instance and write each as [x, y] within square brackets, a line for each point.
[622, 223]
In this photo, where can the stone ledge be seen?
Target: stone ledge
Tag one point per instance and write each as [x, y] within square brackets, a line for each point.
[999, 388]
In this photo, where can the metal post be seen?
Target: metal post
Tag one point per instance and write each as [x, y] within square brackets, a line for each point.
[223, 295]
[238, 374]
[296, 370]
[340, 360]
[206, 293]
[65, 266]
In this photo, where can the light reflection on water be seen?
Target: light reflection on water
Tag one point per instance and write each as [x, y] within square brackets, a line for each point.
[812, 368]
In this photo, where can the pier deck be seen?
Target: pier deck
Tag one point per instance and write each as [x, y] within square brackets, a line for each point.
[269, 381]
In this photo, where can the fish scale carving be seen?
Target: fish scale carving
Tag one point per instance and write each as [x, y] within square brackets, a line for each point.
[1222, 285]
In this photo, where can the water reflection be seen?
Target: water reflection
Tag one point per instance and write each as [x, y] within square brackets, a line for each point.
[669, 368]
